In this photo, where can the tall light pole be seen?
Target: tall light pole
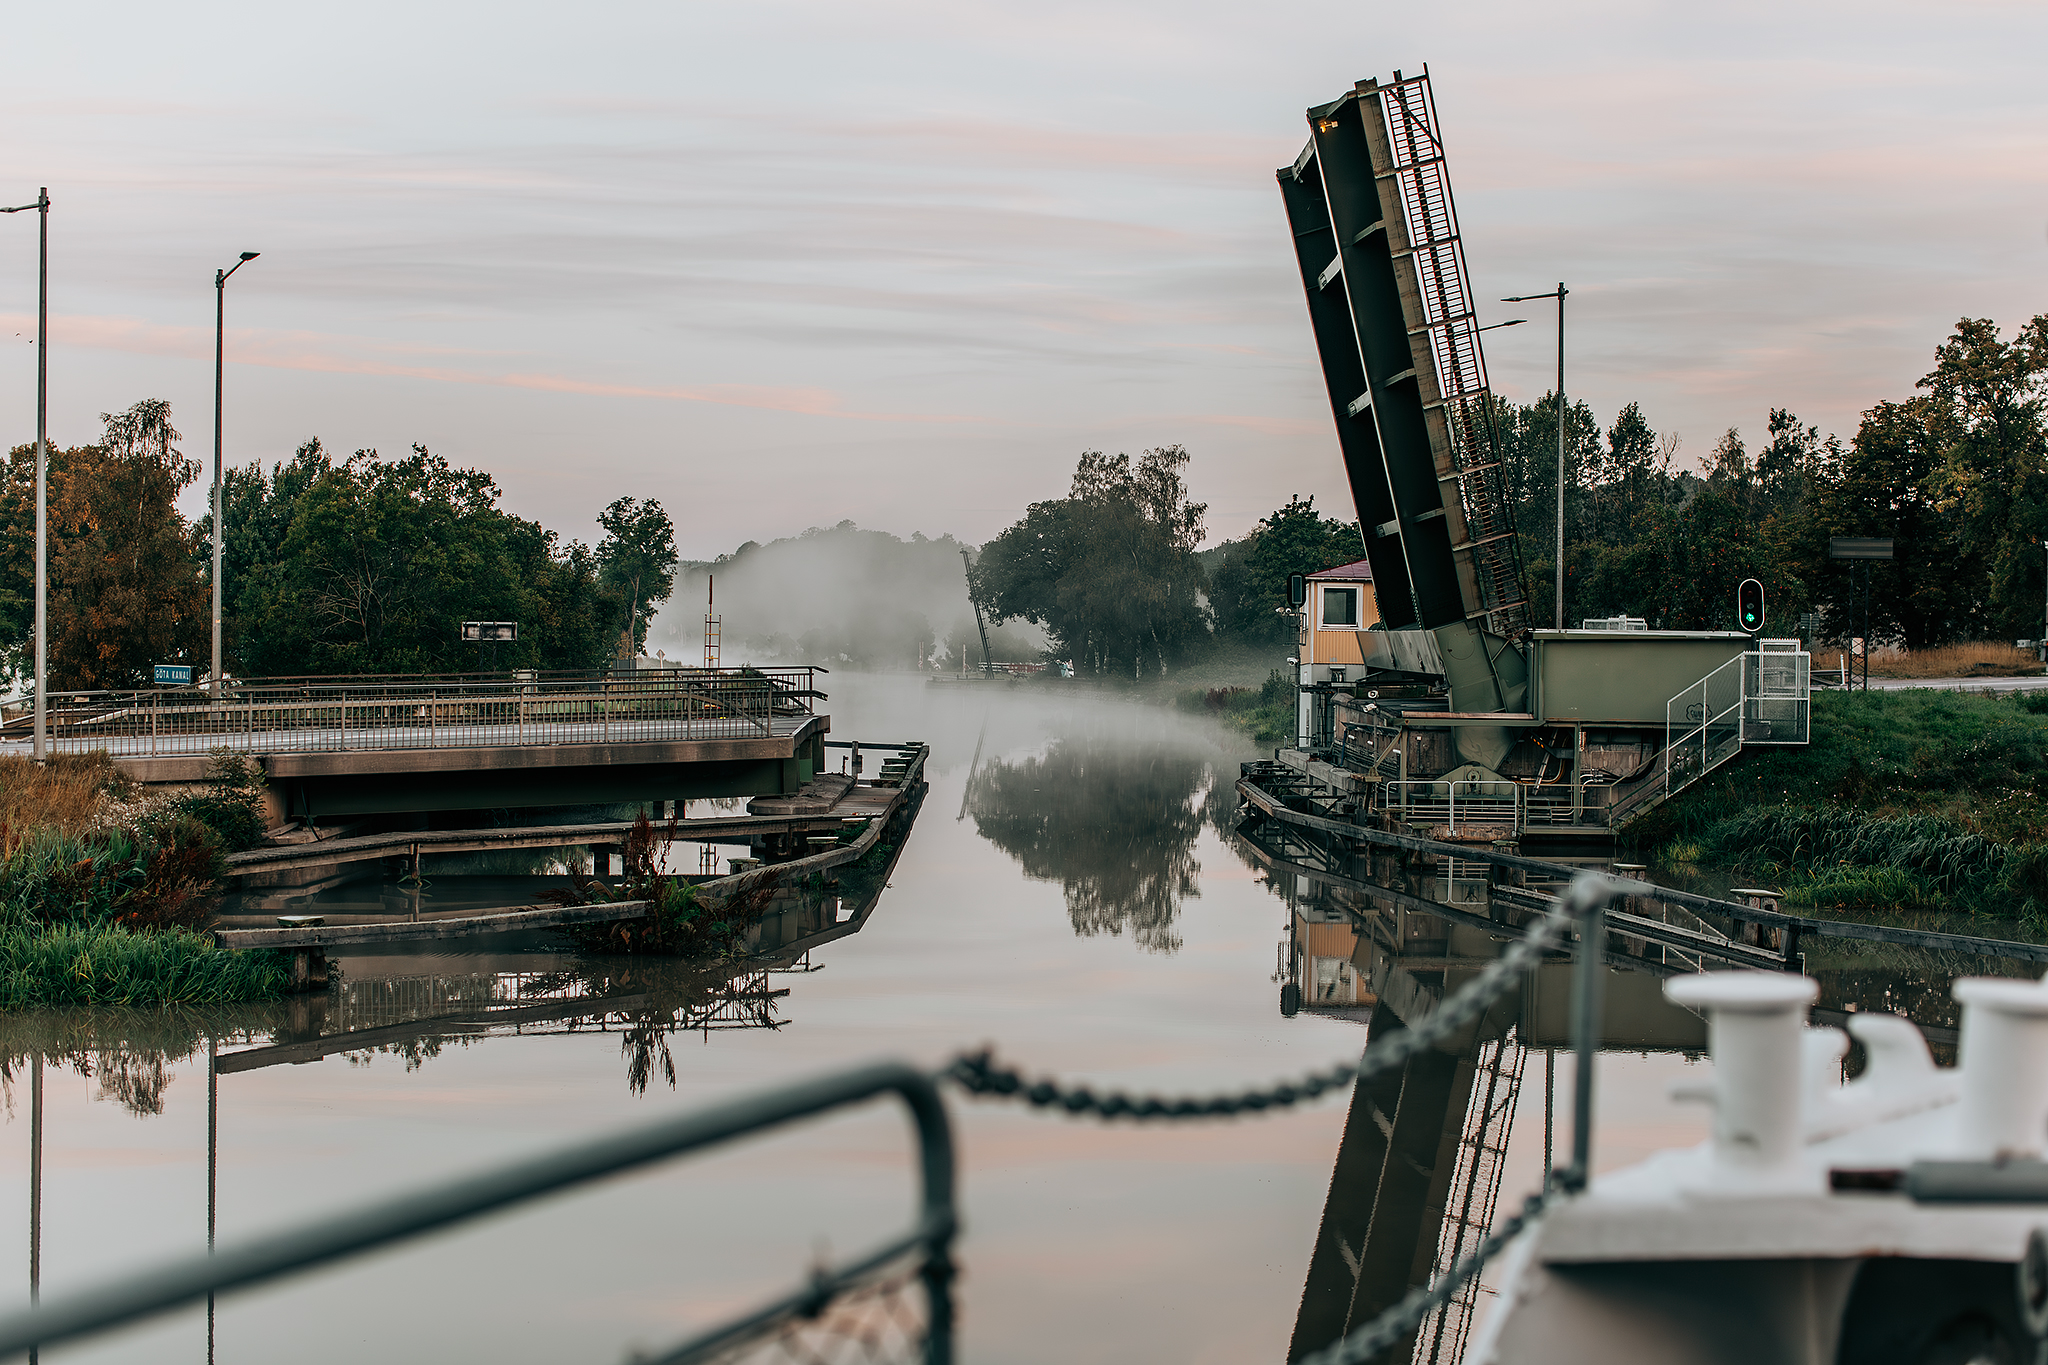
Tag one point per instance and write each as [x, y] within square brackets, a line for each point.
[1557, 294]
[42, 207]
[220, 332]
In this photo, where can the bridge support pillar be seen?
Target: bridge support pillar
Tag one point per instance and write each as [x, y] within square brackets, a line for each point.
[309, 970]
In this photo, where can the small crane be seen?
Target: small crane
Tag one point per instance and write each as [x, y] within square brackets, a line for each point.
[987, 667]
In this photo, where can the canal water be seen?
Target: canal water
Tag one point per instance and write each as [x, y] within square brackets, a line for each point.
[1071, 894]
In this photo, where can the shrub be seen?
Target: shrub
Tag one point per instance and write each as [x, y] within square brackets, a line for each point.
[108, 965]
[231, 805]
[677, 925]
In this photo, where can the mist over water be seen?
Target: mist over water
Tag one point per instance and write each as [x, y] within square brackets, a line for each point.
[838, 596]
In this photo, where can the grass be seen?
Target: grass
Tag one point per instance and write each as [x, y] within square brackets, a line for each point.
[101, 895]
[1266, 712]
[69, 793]
[49, 967]
[1976, 658]
[1904, 800]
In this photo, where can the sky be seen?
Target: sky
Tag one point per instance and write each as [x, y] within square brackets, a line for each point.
[786, 263]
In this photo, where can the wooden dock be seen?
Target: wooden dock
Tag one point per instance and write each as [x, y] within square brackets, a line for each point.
[309, 942]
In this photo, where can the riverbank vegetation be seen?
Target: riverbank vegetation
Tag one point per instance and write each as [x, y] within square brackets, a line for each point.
[1266, 712]
[1956, 475]
[358, 564]
[677, 924]
[1905, 800]
[102, 895]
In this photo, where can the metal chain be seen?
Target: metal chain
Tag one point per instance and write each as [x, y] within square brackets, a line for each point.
[1404, 1317]
[980, 1074]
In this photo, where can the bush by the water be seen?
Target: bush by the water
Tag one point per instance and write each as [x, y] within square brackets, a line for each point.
[99, 899]
[677, 924]
[1266, 712]
[1914, 799]
[80, 964]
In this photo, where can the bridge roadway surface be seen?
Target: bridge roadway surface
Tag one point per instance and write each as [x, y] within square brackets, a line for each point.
[464, 735]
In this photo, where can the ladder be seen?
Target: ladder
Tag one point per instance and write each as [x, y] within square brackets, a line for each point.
[1451, 322]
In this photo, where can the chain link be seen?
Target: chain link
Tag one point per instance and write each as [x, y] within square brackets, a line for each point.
[980, 1073]
[1384, 1331]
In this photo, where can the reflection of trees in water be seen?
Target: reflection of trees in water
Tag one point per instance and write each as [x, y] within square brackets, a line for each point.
[130, 1053]
[644, 1000]
[1114, 822]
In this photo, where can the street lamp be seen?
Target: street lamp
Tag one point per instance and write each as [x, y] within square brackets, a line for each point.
[1557, 294]
[220, 317]
[42, 207]
[1511, 322]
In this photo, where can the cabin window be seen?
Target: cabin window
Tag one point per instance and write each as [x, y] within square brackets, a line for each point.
[1340, 608]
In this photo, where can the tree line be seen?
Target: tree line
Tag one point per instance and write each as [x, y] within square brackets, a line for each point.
[362, 564]
[1956, 474]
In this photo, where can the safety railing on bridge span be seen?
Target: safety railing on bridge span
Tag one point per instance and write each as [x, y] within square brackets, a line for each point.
[433, 711]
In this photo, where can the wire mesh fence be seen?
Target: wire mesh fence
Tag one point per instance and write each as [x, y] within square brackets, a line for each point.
[882, 1320]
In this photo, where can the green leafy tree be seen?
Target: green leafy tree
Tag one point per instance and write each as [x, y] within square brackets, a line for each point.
[637, 564]
[369, 565]
[126, 589]
[1248, 594]
[1110, 570]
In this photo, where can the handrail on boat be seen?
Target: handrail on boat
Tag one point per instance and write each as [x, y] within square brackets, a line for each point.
[429, 1209]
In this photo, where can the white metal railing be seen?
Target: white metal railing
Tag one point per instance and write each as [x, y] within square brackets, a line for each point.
[1777, 694]
[280, 715]
[1454, 805]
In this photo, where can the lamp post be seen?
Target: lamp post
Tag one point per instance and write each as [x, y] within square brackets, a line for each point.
[220, 323]
[42, 208]
[1557, 294]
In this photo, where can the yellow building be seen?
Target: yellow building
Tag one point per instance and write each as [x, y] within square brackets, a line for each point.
[1339, 609]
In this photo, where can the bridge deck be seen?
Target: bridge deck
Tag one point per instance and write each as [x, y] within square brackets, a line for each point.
[284, 740]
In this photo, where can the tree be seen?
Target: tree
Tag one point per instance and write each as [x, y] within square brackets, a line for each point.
[1248, 594]
[1110, 570]
[125, 568]
[637, 562]
[370, 565]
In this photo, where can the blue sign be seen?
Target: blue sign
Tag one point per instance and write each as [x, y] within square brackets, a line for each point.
[174, 675]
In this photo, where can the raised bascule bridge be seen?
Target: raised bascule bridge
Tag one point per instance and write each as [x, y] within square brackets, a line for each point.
[1428, 700]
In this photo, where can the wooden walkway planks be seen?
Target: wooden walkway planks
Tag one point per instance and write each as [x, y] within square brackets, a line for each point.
[548, 916]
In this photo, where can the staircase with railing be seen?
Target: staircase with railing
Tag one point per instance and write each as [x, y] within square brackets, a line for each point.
[1759, 697]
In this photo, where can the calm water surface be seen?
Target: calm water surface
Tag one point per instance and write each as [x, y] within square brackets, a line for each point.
[1073, 900]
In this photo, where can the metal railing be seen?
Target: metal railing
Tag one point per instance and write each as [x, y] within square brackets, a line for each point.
[437, 712]
[926, 1247]
[1454, 805]
[1777, 694]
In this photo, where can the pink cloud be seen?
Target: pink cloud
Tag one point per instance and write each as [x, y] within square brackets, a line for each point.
[324, 353]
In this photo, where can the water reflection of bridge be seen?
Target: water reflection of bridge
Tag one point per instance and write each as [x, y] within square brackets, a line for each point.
[1385, 937]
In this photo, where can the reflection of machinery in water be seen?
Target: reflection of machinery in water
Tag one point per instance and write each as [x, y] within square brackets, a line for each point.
[1418, 1174]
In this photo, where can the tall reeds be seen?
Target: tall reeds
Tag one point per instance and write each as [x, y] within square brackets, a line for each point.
[108, 965]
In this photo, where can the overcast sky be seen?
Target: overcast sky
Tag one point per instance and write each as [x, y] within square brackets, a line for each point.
[778, 264]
